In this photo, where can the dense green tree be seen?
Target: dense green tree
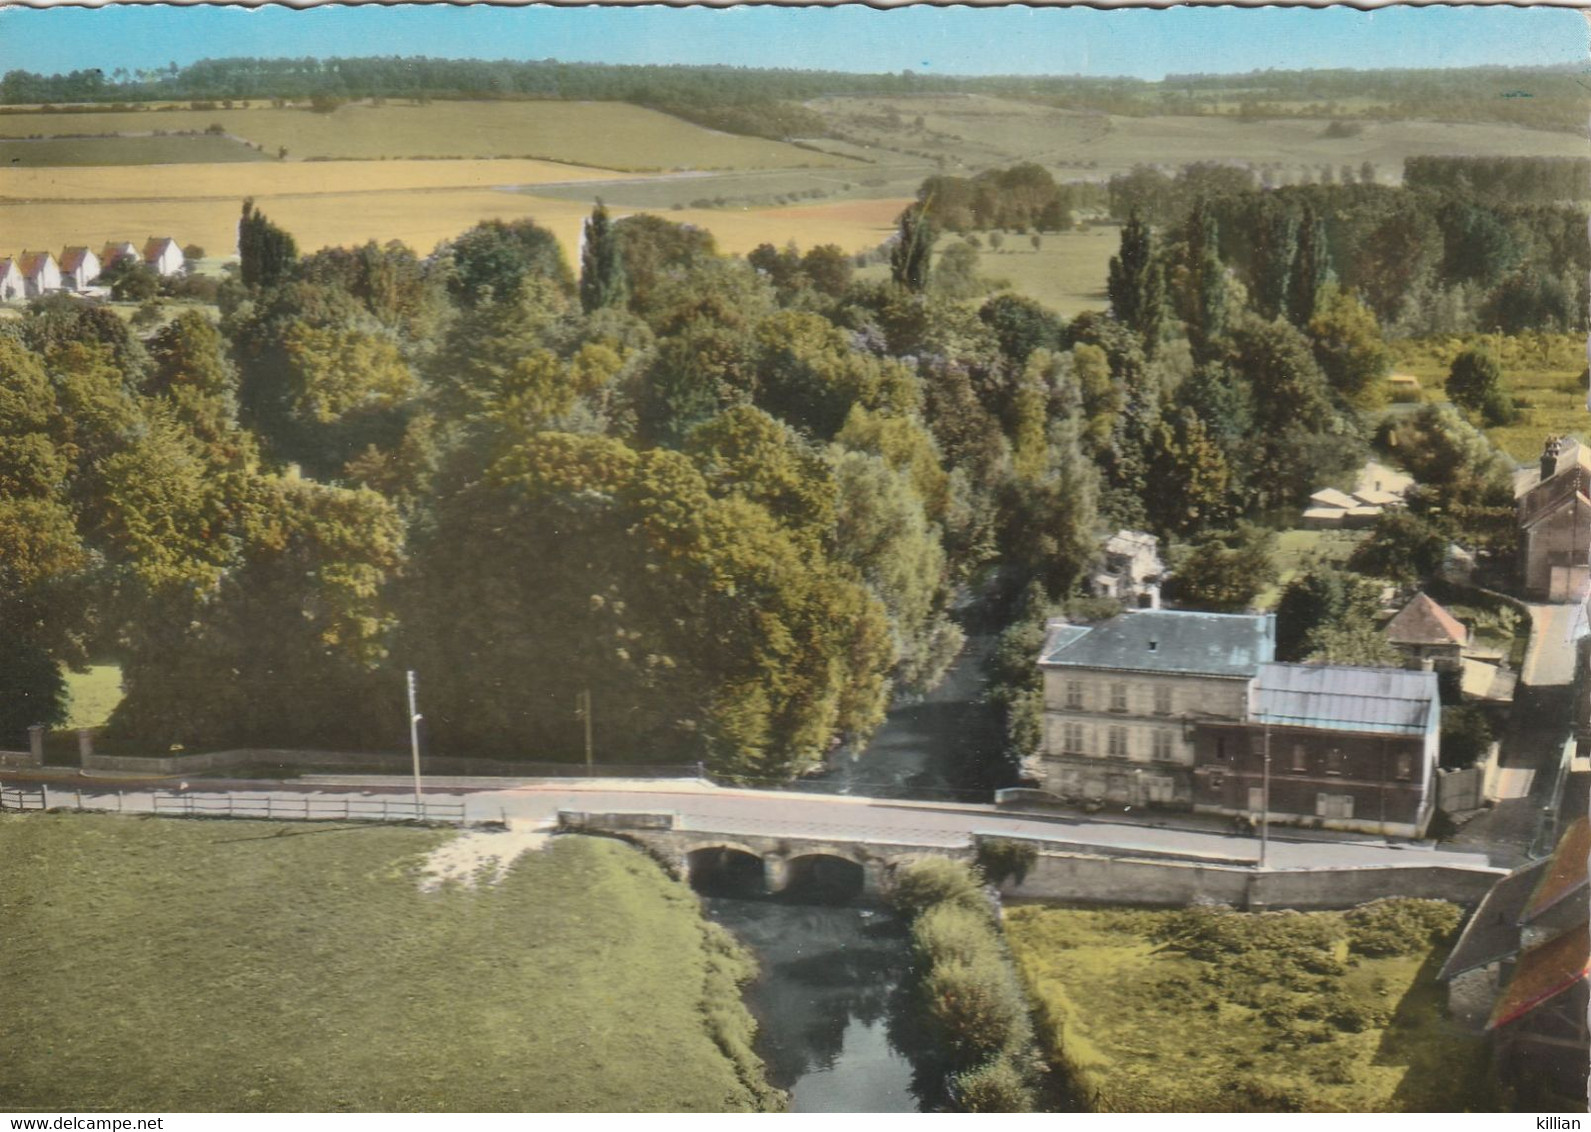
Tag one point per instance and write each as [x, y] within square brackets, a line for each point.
[493, 259]
[1348, 345]
[602, 278]
[1192, 478]
[1136, 285]
[266, 253]
[1475, 382]
[1310, 269]
[1224, 572]
[1319, 600]
[654, 249]
[1048, 519]
[1021, 326]
[1403, 547]
[912, 252]
[701, 630]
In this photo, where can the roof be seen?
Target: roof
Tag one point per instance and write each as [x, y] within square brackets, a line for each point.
[1543, 973]
[1375, 497]
[1376, 476]
[1423, 622]
[1493, 931]
[72, 258]
[1336, 697]
[1165, 640]
[7, 265]
[1331, 497]
[32, 263]
[157, 244]
[1566, 870]
[1571, 454]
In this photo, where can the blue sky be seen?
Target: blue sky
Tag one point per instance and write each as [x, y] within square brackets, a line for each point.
[1016, 40]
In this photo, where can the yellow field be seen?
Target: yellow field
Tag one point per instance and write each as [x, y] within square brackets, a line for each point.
[419, 217]
[274, 179]
[609, 135]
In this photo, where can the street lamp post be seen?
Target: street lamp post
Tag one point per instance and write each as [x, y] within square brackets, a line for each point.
[414, 747]
[1265, 796]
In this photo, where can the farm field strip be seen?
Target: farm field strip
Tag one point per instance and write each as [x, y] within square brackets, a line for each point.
[604, 134]
[422, 219]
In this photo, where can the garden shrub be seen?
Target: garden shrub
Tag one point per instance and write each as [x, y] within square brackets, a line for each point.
[1400, 925]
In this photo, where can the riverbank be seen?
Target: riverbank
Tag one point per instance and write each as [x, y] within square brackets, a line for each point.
[173, 965]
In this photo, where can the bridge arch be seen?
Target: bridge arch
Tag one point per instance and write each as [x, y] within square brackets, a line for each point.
[822, 878]
[726, 869]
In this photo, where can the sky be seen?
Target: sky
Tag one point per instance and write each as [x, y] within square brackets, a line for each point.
[1016, 40]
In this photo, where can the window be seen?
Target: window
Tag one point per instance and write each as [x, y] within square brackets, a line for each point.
[1220, 747]
[1161, 789]
[1300, 758]
[1256, 799]
[1118, 697]
[1336, 761]
[1072, 738]
[1162, 699]
[1162, 747]
[1335, 806]
[1405, 767]
[1118, 743]
[1074, 695]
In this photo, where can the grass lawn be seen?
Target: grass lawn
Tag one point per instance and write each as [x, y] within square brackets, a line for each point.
[1543, 370]
[1144, 1026]
[93, 695]
[1297, 549]
[157, 964]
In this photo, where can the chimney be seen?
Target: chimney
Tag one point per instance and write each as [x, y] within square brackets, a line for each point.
[1549, 457]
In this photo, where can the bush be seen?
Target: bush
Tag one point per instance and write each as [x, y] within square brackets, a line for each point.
[949, 932]
[976, 1007]
[936, 880]
[1466, 735]
[1400, 925]
[1000, 859]
[995, 1086]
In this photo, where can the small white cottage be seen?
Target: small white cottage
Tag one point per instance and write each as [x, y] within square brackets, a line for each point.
[12, 285]
[41, 275]
[163, 256]
[79, 268]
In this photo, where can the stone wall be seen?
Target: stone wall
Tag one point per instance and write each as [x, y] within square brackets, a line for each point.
[1092, 878]
[1459, 790]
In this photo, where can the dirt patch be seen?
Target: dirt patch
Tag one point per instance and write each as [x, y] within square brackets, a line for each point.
[479, 856]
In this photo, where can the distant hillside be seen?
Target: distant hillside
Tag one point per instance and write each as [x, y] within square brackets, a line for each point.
[766, 102]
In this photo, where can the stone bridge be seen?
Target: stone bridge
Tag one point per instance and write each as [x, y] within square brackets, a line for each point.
[752, 864]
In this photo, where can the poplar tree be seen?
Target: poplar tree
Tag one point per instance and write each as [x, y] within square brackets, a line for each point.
[603, 282]
[1136, 285]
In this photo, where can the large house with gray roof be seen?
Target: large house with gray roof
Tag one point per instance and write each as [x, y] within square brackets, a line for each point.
[1334, 746]
[1121, 696]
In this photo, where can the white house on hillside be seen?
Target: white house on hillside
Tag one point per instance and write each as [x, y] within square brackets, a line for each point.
[163, 256]
[40, 273]
[118, 250]
[12, 285]
[79, 268]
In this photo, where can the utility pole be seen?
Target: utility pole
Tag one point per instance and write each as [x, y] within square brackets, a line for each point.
[584, 701]
[414, 746]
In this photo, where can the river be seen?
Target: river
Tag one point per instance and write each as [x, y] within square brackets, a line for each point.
[832, 1001]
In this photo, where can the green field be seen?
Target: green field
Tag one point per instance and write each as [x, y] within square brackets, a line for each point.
[191, 966]
[1143, 1026]
[610, 135]
[56, 152]
[1066, 274]
[972, 132]
[93, 695]
[1545, 370]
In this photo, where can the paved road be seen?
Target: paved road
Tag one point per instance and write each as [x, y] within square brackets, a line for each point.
[729, 811]
[1549, 659]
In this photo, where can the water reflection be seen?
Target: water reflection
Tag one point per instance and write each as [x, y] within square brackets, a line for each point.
[831, 1002]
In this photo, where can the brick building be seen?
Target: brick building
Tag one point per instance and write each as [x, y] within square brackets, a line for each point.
[1349, 748]
[1119, 698]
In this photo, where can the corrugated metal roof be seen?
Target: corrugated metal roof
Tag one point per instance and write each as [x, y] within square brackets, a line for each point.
[1383, 700]
[1165, 640]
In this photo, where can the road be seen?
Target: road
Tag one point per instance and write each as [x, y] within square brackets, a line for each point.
[1530, 751]
[729, 811]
